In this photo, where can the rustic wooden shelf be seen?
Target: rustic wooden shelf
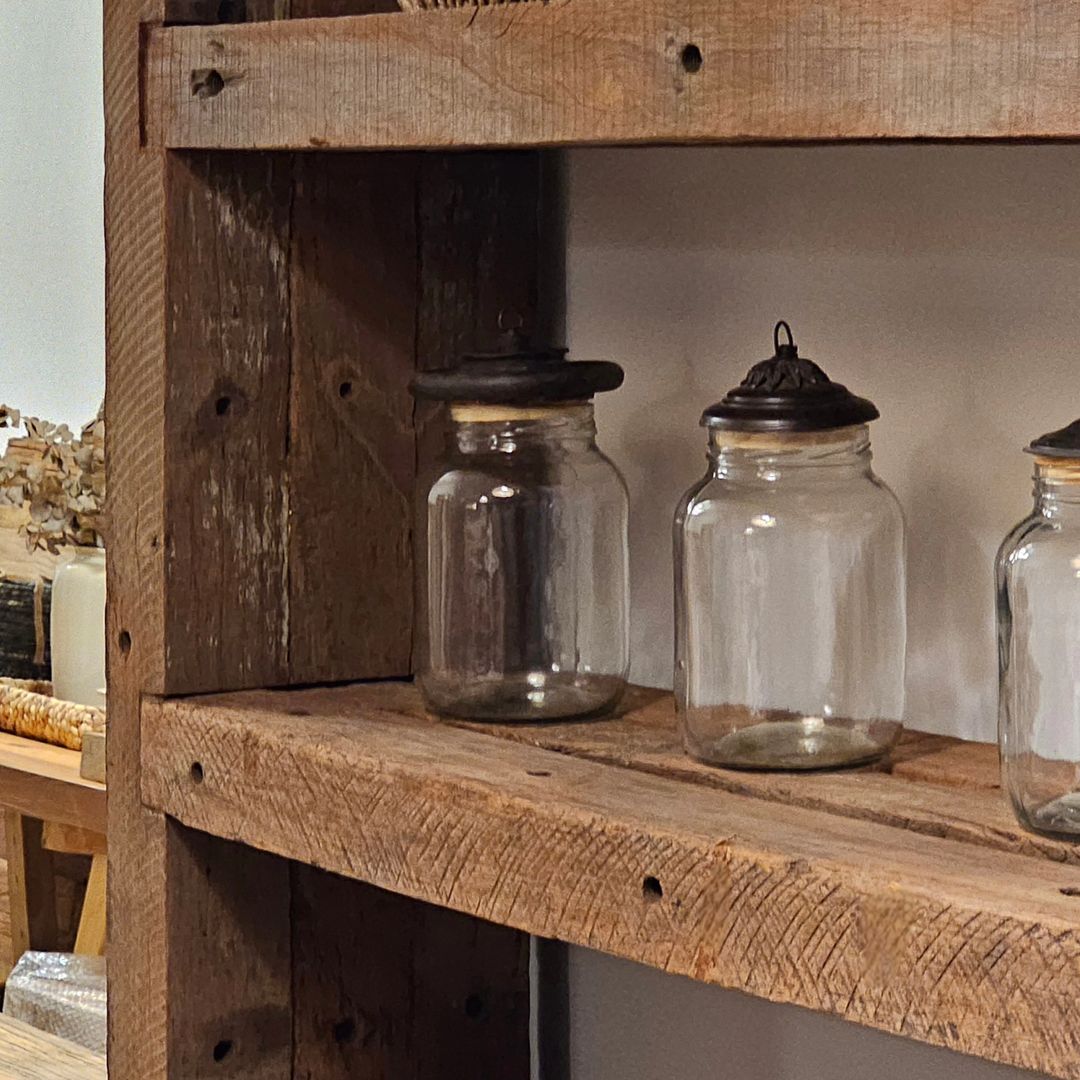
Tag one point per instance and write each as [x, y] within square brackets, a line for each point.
[620, 71]
[267, 312]
[906, 900]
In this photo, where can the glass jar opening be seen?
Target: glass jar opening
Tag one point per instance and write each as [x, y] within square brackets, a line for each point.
[513, 428]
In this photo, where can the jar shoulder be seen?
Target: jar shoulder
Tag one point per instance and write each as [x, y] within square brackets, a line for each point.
[716, 501]
[512, 477]
[1038, 543]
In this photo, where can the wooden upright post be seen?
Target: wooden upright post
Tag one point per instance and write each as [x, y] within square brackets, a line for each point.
[265, 315]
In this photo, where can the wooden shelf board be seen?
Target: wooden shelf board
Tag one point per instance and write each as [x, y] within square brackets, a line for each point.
[42, 781]
[581, 72]
[941, 921]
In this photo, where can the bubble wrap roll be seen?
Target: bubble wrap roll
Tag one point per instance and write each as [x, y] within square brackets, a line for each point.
[62, 994]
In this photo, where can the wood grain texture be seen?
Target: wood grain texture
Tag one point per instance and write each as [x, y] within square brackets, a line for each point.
[72, 840]
[935, 938]
[29, 1054]
[90, 939]
[617, 71]
[203, 12]
[435, 995]
[31, 887]
[230, 1000]
[43, 781]
[354, 300]
[135, 447]
[227, 418]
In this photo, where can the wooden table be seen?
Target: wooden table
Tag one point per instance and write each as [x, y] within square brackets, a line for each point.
[49, 808]
[29, 1054]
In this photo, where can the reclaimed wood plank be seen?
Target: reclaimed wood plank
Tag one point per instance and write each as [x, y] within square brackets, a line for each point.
[623, 71]
[134, 436]
[228, 960]
[436, 994]
[938, 939]
[354, 295]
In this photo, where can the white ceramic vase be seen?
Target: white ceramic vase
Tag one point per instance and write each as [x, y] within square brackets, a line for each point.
[77, 627]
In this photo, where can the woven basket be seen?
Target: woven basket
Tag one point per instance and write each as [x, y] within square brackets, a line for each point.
[28, 708]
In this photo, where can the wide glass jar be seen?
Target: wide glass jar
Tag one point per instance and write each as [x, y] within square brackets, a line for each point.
[523, 593]
[1038, 610]
[789, 580]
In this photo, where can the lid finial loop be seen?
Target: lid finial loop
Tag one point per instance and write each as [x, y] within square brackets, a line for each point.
[790, 347]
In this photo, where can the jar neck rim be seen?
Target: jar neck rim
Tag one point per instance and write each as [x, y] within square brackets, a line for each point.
[505, 429]
[498, 415]
[840, 446]
[1057, 480]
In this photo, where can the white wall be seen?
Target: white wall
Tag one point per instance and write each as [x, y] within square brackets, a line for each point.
[52, 258]
[941, 282]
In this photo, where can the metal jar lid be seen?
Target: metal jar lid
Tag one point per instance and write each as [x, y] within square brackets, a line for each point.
[1064, 443]
[520, 375]
[787, 392]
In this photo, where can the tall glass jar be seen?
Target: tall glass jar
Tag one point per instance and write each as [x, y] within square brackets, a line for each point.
[524, 589]
[789, 580]
[1038, 609]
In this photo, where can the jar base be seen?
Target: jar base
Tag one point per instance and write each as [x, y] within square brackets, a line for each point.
[801, 744]
[526, 698]
[1059, 818]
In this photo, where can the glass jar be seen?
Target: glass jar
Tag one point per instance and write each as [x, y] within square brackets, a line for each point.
[789, 580]
[1038, 612]
[524, 589]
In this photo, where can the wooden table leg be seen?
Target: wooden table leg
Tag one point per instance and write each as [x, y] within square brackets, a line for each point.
[31, 887]
[91, 937]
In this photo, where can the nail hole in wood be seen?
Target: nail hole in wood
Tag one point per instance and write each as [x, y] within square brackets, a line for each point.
[124, 641]
[474, 1006]
[345, 389]
[206, 83]
[1070, 890]
[345, 1030]
[691, 58]
[222, 1050]
[651, 889]
[197, 772]
[537, 772]
[222, 405]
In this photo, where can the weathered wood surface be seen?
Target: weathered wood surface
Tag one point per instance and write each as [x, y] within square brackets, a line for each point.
[135, 183]
[450, 997]
[623, 71]
[354, 289]
[227, 960]
[243, 292]
[29, 1054]
[226, 433]
[938, 938]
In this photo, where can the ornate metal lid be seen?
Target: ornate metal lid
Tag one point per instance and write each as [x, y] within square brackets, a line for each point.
[787, 392]
[522, 374]
[1064, 443]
